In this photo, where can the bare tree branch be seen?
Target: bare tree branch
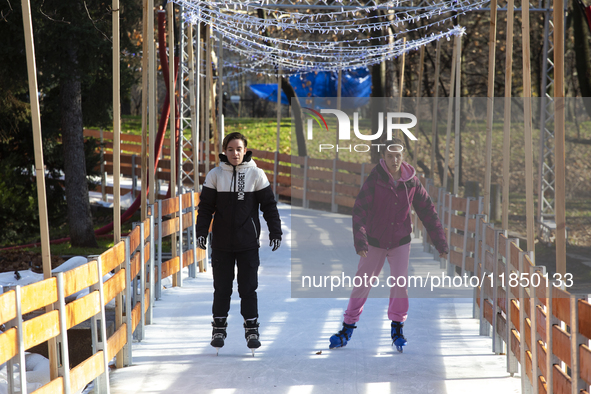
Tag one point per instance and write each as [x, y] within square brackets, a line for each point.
[94, 24]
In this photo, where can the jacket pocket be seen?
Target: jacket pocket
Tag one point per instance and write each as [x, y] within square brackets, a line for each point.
[256, 234]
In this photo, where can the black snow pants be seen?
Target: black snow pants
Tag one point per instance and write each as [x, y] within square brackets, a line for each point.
[223, 278]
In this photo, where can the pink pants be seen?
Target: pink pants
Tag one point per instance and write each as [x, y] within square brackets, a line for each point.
[372, 266]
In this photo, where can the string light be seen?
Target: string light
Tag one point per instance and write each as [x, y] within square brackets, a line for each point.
[351, 43]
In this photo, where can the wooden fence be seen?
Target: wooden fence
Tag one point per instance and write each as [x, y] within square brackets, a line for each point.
[531, 318]
[38, 313]
[332, 182]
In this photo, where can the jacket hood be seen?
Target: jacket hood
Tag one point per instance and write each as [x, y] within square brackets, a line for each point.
[407, 172]
[246, 162]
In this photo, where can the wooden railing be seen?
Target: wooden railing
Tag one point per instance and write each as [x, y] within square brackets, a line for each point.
[332, 182]
[538, 326]
[134, 265]
[532, 319]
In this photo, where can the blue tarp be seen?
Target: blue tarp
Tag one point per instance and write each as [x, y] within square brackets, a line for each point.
[356, 84]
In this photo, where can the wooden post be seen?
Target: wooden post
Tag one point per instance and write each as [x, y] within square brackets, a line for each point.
[220, 89]
[527, 133]
[400, 92]
[173, 173]
[194, 86]
[421, 65]
[208, 87]
[172, 87]
[559, 102]
[212, 113]
[275, 164]
[144, 158]
[490, 103]
[507, 120]
[339, 86]
[152, 102]
[435, 110]
[116, 125]
[117, 161]
[400, 89]
[203, 132]
[39, 168]
[449, 112]
[457, 150]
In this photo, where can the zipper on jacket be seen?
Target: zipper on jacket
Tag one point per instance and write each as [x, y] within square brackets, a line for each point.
[255, 228]
[233, 178]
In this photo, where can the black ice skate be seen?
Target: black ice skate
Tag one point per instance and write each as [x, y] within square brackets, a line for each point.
[218, 334]
[251, 333]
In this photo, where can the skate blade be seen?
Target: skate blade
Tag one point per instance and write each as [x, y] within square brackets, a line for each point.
[399, 348]
[252, 350]
[217, 351]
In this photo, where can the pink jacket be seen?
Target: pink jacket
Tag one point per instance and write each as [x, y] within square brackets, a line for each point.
[381, 215]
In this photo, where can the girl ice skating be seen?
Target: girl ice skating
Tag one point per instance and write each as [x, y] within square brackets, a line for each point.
[381, 229]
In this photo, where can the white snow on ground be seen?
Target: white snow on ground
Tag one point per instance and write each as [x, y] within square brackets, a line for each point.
[445, 354]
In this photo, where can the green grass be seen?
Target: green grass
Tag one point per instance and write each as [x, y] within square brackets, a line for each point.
[262, 132]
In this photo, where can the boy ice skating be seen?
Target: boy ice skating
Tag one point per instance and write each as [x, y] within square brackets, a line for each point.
[232, 193]
[381, 229]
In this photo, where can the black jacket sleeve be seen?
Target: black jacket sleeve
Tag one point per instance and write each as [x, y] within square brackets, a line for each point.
[205, 210]
[266, 199]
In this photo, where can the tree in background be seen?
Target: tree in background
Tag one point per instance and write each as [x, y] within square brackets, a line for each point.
[582, 51]
[74, 64]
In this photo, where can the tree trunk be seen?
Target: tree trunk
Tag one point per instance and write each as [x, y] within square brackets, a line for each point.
[79, 215]
[296, 115]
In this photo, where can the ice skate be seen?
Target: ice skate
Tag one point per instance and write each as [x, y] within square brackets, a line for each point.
[398, 339]
[341, 338]
[218, 334]
[251, 333]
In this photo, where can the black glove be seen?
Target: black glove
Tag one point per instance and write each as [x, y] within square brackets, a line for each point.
[201, 242]
[275, 244]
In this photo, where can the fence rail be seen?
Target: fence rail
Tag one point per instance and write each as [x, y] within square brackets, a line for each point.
[136, 279]
[540, 327]
[531, 319]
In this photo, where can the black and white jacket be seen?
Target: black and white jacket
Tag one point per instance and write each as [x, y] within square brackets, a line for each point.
[232, 195]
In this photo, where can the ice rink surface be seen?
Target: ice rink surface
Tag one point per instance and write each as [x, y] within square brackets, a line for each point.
[445, 353]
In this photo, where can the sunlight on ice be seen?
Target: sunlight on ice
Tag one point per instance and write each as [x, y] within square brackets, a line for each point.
[378, 387]
[303, 389]
[325, 238]
[331, 325]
